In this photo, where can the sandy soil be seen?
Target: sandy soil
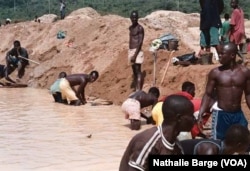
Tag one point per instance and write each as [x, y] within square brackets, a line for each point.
[95, 42]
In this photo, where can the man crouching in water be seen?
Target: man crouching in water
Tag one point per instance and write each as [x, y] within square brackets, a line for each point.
[76, 96]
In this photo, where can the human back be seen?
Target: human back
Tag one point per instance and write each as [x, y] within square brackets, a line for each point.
[76, 79]
[146, 99]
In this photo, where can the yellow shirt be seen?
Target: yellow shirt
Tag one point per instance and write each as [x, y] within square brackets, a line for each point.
[157, 113]
[157, 116]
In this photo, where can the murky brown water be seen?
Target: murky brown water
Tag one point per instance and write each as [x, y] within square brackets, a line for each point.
[38, 134]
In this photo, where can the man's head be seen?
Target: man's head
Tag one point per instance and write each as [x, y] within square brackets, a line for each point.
[227, 53]
[226, 16]
[155, 91]
[188, 87]
[134, 17]
[62, 75]
[234, 3]
[237, 139]
[178, 110]
[17, 44]
[93, 76]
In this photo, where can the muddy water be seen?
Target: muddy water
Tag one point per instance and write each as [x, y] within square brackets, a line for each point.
[38, 134]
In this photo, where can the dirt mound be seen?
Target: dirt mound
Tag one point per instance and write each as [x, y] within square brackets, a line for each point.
[95, 42]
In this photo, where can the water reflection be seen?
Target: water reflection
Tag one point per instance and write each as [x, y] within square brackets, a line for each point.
[38, 134]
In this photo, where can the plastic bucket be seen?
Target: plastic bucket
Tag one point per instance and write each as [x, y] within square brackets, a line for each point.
[206, 59]
[173, 44]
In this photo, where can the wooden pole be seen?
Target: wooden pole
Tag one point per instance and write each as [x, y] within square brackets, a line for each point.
[167, 65]
[29, 60]
[154, 81]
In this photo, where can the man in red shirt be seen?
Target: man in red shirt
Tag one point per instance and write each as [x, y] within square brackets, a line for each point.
[237, 27]
[187, 90]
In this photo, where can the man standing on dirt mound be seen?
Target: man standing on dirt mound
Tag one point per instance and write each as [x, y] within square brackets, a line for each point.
[135, 54]
[17, 57]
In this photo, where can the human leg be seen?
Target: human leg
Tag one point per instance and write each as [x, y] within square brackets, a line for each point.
[7, 71]
[67, 92]
[226, 119]
[138, 77]
[206, 39]
[239, 118]
[21, 69]
[131, 108]
[56, 97]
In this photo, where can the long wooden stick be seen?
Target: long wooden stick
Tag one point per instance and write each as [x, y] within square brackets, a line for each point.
[167, 65]
[29, 60]
[154, 82]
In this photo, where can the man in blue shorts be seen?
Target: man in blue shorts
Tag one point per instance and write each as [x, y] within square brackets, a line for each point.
[229, 82]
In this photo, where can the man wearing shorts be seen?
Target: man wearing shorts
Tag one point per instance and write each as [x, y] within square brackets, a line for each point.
[229, 82]
[135, 54]
[210, 23]
[76, 96]
[135, 102]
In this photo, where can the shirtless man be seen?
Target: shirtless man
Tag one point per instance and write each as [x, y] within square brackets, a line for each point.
[161, 140]
[135, 54]
[14, 61]
[229, 81]
[76, 96]
[237, 141]
[135, 102]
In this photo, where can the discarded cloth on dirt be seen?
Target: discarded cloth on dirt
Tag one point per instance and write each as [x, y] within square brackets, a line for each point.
[185, 59]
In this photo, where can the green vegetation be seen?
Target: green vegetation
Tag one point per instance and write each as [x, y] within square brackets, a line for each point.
[20, 10]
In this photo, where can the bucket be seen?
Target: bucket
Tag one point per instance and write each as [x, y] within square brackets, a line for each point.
[206, 58]
[173, 44]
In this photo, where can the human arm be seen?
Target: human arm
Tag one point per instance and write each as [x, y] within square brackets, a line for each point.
[6, 75]
[80, 93]
[208, 98]
[247, 89]
[235, 17]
